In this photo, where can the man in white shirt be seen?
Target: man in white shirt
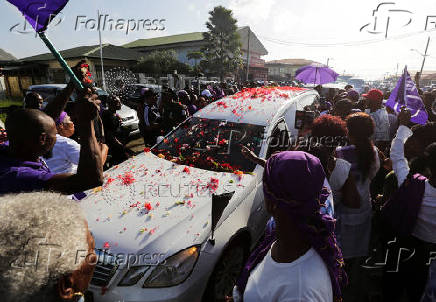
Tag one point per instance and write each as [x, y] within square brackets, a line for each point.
[425, 228]
[297, 261]
[380, 116]
[286, 282]
[423, 237]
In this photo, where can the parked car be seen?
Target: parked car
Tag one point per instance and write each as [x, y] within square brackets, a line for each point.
[133, 99]
[186, 214]
[129, 118]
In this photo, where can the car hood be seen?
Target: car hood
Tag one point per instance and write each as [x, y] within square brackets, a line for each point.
[151, 205]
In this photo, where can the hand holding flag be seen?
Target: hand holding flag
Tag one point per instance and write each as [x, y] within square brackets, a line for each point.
[406, 94]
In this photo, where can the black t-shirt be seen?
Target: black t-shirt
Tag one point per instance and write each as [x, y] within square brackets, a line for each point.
[111, 122]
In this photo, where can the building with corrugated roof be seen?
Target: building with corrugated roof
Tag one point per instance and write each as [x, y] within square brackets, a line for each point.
[284, 70]
[183, 44]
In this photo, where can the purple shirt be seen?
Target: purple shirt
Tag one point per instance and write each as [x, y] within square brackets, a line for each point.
[21, 176]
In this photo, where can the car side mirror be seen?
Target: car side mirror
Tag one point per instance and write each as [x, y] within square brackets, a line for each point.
[219, 204]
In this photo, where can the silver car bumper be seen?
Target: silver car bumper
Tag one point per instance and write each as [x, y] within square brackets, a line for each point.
[189, 291]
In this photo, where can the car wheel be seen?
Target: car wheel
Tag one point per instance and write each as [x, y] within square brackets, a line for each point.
[226, 271]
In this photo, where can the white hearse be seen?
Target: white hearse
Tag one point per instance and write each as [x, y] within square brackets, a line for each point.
[177, 222]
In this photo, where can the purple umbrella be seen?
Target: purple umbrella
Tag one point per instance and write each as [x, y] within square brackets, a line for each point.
[316, 74]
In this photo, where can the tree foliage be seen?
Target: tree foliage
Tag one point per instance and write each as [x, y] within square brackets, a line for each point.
[161, 63]
[222, 52]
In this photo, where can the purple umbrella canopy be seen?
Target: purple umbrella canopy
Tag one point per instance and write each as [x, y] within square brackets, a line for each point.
[316, 74]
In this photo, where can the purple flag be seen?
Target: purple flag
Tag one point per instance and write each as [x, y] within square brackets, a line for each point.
[39, 13]
[406, 94]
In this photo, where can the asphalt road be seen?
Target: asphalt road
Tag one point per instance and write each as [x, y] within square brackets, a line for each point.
[136, 144]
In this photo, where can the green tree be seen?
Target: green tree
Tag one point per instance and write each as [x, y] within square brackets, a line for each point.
[222, 52]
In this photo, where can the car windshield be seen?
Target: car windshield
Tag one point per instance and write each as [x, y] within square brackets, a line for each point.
[212, 145]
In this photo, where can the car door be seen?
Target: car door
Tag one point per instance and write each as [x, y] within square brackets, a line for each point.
[277, 141]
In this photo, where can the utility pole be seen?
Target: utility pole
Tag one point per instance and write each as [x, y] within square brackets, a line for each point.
[425, 55]
[248, 55]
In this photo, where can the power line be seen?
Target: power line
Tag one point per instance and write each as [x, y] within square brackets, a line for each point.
[350, 43]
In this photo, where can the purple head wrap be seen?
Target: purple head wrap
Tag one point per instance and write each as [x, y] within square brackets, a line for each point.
[353, 95]
[182, 93]
[183, 96]
[61, 118]
[294, 181]
[219, 93]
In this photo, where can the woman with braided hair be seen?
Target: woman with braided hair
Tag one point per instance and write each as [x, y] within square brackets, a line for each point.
[354, 224]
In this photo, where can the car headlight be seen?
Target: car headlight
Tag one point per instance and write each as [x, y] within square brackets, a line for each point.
[174, 270]
[133, 275]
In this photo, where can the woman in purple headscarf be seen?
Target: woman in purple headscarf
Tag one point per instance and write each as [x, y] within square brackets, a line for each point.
[299, 260]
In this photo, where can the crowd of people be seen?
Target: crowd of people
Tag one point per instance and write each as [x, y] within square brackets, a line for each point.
[384, 197]
[342, 216]
[160, 112]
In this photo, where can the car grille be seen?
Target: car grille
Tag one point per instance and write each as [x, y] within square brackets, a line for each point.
[104, 270]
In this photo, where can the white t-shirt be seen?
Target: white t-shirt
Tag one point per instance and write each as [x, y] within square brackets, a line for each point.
[425, 228]
[66, 154]
[382, 126]
[305, 279]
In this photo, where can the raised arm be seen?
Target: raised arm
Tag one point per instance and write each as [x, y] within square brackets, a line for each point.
[90, 171]
[399, 161]
[55, 107]
[248, 154]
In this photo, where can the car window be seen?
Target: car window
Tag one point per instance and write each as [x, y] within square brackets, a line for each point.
[213, 145]
[44, 93]
[279, 139]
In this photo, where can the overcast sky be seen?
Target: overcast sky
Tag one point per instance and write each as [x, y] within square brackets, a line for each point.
[310, 29]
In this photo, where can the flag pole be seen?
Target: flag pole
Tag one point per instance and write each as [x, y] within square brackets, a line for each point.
[101, 52]
[61, 60]
[405, 89]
